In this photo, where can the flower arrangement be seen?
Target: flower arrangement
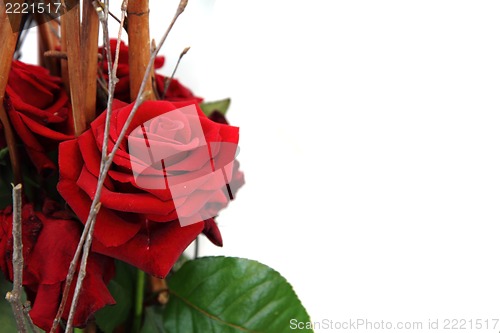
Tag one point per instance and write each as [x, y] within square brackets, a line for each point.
[116, 171]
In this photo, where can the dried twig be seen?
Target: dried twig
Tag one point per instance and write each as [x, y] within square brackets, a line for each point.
[82, 272]
[108, 160]
[48, 42]
[86, 238]
[168, 80]
[14, 297]
[26, 310]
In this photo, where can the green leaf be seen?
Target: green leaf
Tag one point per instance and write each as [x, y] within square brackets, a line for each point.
[122, 289]
[180, 262]
[4, 152]
[6, 179]
[6, 316]
[220, 106]
[153, 320]
[229, 295]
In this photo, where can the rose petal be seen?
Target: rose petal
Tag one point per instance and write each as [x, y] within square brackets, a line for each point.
[156, 249]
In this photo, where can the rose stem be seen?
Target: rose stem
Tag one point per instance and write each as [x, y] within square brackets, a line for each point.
[160, 289]
[139, 56]
[70, 33]
[168, 80]
[139, 47]
[14, 297]
[139, 300]
[8, 40]
[89, 50]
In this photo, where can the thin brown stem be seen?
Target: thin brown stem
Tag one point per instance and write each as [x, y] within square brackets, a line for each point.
[168, 80]
[83, 271]
[159, 288]
[48, 41]
[14, 297]
[64, 61]
[26, 310]
[56, 54]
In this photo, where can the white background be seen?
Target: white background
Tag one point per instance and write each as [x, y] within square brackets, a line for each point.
[370, 136]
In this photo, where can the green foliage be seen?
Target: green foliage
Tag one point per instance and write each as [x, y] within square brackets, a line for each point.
[226, 295]
[222, 106]
[8, 323]
[122, 289]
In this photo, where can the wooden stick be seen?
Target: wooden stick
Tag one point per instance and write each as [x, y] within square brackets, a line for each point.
[64, 62]
[70, 33]
[8, 40]
[89, 50]
[139, 47]
[48, 42]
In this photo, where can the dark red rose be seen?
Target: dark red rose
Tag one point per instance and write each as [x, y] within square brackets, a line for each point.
[238, 179]
[49, 242]
[139, 217]
[176, 91]
[38, 109]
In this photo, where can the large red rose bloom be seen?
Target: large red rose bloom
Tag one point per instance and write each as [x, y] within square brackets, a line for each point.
[139, 225]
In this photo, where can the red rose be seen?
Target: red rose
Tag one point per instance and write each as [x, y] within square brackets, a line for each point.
[238, 179]
[37, 106]
[49, 242]
[176, 91]
[138, 224]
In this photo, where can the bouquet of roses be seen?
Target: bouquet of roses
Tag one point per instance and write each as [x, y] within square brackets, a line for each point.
[116, 170]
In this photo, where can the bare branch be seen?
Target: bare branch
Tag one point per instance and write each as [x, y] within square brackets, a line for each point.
[83, 270]
[14, 297]
[86, 238]
[168, 80]
[26, 310]
[108, 160]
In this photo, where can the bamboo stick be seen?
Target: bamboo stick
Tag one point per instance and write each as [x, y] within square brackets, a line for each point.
[89, 49]
[139, 47]
[70, 33]
[8, 40]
